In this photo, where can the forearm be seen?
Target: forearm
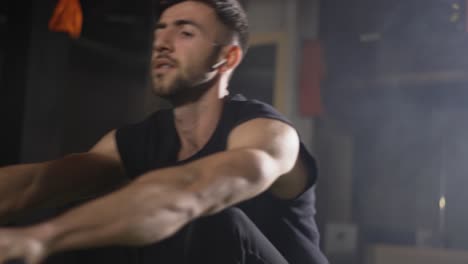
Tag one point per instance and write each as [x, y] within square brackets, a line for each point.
[137, 214]
[157, 205]
[227, 179]
[27, 187]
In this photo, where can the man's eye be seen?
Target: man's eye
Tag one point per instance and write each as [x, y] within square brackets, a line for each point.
[187, 34]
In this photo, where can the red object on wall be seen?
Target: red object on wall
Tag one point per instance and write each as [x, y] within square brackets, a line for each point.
[67, 17]
[312, 71]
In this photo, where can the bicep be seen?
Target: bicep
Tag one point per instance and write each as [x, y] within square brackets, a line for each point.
[281, 144]
[278, 141]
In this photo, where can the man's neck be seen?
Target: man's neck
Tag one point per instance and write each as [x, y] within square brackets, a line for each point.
[195, 122]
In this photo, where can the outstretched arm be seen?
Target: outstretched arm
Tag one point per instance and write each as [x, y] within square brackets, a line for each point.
[27, 187]
[160, 202]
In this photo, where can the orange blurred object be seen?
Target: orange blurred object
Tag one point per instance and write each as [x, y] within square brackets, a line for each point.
[67, 17]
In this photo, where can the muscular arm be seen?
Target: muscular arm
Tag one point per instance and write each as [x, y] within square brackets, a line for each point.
[160, 202]
[27, 187]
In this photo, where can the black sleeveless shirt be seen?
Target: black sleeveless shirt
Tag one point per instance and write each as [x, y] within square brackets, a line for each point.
[288, 224]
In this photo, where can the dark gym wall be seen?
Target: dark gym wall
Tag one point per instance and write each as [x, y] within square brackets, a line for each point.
[14, 42]
[60, 95]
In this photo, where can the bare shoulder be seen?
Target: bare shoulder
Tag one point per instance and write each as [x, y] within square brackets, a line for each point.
[107, 146]
[106, 154]
[281, 141]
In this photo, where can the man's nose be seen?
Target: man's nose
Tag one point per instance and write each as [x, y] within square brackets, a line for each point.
[163, 41]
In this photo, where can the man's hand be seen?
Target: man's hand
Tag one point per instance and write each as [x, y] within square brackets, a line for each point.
[21, 244]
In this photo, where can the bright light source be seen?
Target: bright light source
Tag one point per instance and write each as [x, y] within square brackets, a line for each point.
[442, 203]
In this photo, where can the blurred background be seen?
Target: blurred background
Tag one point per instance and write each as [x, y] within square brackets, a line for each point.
[377, 89]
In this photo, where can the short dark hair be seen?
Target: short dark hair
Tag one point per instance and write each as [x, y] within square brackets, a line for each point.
[229, 12]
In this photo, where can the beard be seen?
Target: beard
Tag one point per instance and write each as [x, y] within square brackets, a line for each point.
[188, 86]
[183, 90]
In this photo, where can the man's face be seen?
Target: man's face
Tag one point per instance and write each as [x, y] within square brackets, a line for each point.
[186, 45]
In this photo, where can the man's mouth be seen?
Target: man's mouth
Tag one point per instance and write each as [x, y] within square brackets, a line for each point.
[162, 69]
[163, 65]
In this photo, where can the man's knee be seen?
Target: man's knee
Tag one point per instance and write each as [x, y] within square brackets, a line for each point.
[231, 220]
[232, 215]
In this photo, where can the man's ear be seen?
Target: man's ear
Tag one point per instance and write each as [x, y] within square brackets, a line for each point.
[233, 57]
